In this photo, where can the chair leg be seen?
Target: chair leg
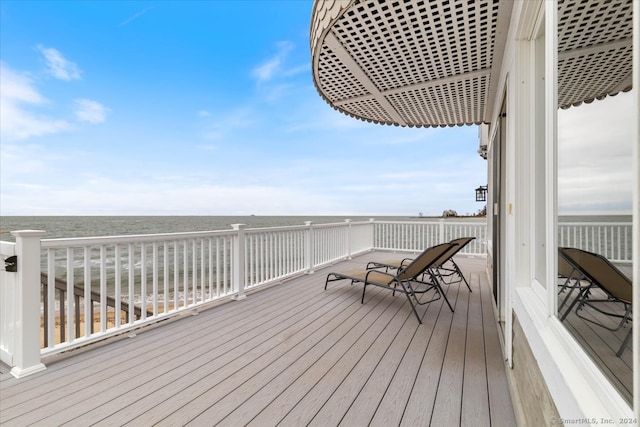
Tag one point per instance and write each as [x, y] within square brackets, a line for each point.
[364, 289]
[575, 301]
[626, 317]
[335, 278]
[564, 285]
[566, 297]
[413, 307]
[461, 275]
[624, 343]
[439, 289]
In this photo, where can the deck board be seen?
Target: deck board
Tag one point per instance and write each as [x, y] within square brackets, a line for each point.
[419, 409]
[348, 348]
[227, 369]
[394, 402]
[347, 374]
[243, 365]
[475, 407]
[501, 410]
[448, 404]
[324, 354]
[292, 354]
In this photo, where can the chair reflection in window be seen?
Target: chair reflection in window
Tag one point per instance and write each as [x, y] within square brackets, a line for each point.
[588, 273]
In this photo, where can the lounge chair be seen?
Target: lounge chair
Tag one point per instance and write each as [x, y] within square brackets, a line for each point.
[571, 279]
[445, 267]
[404, 278]
[601, 273]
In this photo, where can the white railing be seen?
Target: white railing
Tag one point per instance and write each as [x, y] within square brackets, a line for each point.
[8, 315]
[86, 289]
[611, 239]
[20, 303]
[94, 286]
[416, 236]
[69, 292]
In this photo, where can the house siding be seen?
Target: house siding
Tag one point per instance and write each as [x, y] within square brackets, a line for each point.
[535, 404]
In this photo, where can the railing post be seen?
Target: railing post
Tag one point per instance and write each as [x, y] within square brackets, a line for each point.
[308, 246]
[238, 262]
[26, 356]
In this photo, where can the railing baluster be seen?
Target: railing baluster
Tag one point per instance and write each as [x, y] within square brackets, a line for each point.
[131, 281]
[202, 270]
[210, 246]
[143, 280]
[69, 297]
[218, 266]
[50, 321]
[118, 285]
[194, 271]
[165, 276]
[185, 273]
[225, 261]
[176, 275]
[103, 289]
[154, 266]
[263, 258]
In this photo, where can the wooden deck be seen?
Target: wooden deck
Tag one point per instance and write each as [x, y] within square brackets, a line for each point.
[602, 344]
[289, 355]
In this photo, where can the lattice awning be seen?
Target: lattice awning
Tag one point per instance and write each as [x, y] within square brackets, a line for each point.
[436, 62]
[594, 50]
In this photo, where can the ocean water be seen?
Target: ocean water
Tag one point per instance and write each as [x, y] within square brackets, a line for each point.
[95, 226]
[595, 218]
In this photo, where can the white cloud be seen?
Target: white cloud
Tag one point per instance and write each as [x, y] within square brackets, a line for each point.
[221, 126]
[135, 16]
[18, 87]
[133, 197]
[266, 70]
[271, 67]
[23, 160]
[594, 155]
[18, 97]
[58, 66]
[90, 111]
[297, 70]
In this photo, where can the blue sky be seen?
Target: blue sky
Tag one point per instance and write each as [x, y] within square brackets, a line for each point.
[200, 108]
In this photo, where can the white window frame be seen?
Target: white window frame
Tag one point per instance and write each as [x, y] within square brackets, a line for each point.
[562, 361]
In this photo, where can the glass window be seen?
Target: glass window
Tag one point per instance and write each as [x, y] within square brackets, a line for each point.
[594, 188]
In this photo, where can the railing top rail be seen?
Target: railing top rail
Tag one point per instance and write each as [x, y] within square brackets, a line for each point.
[340, 224]
[275, 229]
[7, 248]
[598, 224]
[438, 221]
[134, 238]
[302, 227]
[148, 238]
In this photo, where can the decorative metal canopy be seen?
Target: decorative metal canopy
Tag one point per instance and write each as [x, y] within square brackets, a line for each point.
[436, 62]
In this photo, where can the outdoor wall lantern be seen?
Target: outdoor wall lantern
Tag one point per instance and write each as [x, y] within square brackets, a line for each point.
[481, 193]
